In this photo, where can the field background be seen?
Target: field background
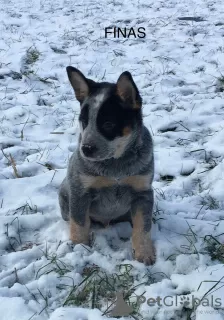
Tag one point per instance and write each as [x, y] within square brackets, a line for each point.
[179, 69]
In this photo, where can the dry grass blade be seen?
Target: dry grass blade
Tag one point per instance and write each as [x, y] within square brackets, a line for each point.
[14, 166]
[11, 162]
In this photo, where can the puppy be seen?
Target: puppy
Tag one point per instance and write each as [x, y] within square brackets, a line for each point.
[110, 175]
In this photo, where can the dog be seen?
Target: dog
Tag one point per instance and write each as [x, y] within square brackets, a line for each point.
[109, 176]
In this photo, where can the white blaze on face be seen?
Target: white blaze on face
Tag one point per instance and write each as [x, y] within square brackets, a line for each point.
[99, 99]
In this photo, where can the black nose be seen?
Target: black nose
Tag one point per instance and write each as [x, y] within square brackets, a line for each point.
[88, 150]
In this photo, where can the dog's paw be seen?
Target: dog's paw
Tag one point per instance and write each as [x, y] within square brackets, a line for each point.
[75, 241]
[145, 254]
[80, 239]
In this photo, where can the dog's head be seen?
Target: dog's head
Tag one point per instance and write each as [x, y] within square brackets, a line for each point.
[110, 117]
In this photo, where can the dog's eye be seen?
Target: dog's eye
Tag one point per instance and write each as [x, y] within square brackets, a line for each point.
[108, 126]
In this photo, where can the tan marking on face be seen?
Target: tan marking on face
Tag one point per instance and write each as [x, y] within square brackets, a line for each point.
[120, 145]
[138, 182]
[79, 234]
[126, 131]
[137, 105]
[141, 240]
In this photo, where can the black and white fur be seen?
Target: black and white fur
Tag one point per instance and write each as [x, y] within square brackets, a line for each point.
[110, 175]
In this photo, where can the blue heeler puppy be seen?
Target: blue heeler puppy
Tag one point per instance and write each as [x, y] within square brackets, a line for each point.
[110, 175]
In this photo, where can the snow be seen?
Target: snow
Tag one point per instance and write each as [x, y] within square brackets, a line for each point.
[179, 70]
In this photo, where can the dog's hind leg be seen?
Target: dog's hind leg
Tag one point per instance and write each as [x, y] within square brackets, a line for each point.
[64, 201]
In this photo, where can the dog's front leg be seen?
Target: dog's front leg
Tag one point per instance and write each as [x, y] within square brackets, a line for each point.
[79, 219]
[142, 219]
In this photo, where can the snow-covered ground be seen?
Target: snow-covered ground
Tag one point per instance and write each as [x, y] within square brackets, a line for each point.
[179, 69]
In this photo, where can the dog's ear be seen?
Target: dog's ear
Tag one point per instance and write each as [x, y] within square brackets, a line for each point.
[79, 83]
[128, 91]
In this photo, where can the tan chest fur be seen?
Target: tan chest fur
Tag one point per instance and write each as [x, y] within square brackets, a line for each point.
[137, 182]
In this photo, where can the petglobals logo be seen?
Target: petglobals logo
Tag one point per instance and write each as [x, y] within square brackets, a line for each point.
[191, 301]
[122, 309]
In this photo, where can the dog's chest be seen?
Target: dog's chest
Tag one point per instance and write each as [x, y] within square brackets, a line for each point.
[110, 203]
[112, 197]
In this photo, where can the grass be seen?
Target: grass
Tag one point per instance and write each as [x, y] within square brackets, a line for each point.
[32, 55]
[209, 202]
[54, 264]
[197, 245]
[11, 162]
[46, 165]
[220, 84]
[167, 178]
[190, 247]
[214, 248]
[97, 286]
[14, 230]
[26, 209]
[14, 242]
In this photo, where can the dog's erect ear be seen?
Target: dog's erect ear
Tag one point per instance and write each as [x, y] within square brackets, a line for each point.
[79, 83]
[128, 91]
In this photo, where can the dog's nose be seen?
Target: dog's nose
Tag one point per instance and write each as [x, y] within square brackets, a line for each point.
[88, 150]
